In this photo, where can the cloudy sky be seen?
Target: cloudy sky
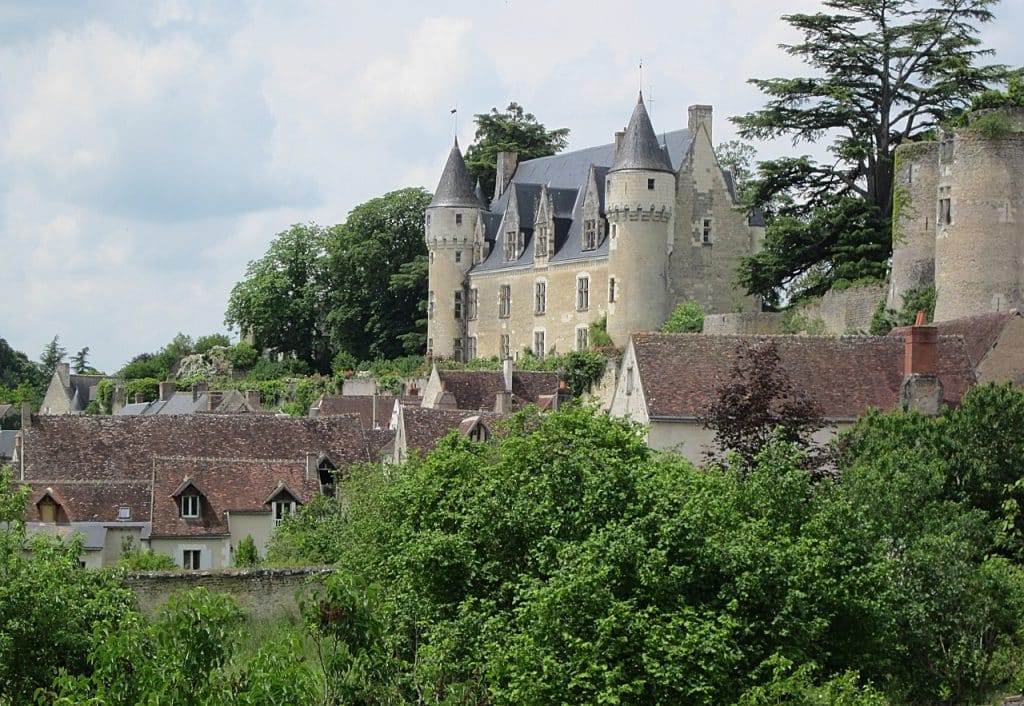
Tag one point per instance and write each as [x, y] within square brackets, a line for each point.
[149, 150]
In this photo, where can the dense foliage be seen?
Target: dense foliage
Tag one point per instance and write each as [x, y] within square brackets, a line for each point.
[882, 72]
[688, 317]
[568, 564]
[512, 130]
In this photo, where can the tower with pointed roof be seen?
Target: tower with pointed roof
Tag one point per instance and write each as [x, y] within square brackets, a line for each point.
[454, 232]
[639, 198]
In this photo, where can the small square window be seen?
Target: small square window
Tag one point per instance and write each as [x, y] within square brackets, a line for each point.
[650, 184]
[189, 506]
[458, 219]
[124, 513]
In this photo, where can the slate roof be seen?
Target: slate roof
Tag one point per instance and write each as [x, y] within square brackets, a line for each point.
[7, 410]
[980, 333]
[424, 427]
[478, 389]
[228, 486]
[640, 148]
[77, 388]
[842, 376]
[99, 463]
[455, 187]
[231, 401]
[361, 405]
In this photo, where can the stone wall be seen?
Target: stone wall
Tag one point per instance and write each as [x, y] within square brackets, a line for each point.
[262, 593]
[843, 312]
[753, 323]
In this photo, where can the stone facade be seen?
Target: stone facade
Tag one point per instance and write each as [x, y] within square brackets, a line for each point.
[844, 312]
[959, 221]
[623, 232]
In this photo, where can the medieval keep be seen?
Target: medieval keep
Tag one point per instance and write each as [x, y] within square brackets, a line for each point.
[625, 231]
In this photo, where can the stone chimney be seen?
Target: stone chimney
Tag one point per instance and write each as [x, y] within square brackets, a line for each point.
[199, 388]
[213, 399]
[252, 398]
[506, 372]
[921, 389]
[64, 371]
[699, 115]
[503, 403]
[167, 390]
[507, 162]
[117, 400]
[619, 134]
[446, 400]
[140, 398]
[26, 414]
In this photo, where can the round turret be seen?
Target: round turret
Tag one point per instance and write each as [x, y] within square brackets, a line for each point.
[980, 212]
[639, 196]
[913, 220]
[454, 242]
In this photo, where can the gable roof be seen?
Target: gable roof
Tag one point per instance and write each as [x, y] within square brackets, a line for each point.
[980, 333]
[423, 427]
[361, 405]
[100, 463]
[478, 389]
[842, 376]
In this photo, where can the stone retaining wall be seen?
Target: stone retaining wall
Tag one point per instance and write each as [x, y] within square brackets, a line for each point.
[262, 593]
[844, 312]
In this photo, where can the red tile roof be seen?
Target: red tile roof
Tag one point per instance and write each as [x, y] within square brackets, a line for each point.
[363, 405]
[478, 389]
[424, 426]
[98, 462]
[842, 376]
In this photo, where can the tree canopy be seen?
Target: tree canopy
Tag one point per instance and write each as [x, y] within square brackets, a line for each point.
[883, 72]
[512, 130]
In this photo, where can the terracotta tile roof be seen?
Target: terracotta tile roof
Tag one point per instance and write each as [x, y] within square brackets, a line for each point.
[228, 486]
[478, 389]
[363, 405]
[980, 332]
[84, 501]
[842, 376]
[378, 441]
[94, 461]
[423, 426]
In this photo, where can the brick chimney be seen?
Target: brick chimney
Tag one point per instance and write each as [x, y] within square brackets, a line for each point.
[921, 388]
[507, 162]
[503, 403]
[167, 390]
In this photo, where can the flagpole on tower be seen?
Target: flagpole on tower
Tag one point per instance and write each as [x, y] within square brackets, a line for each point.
[455, 117]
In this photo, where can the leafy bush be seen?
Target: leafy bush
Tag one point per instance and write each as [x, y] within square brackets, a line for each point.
[242, 356]
[687, 318]
[204, 344]
[246, 554]
[598, 333]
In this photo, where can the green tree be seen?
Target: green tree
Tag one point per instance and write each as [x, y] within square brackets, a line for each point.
[738, 157]
[884, 72]
[687, 318]
[282, 302]
[513, 130]
[52, 356]
[80, 361]
[376, 267]
[205, 343]
[246, 554]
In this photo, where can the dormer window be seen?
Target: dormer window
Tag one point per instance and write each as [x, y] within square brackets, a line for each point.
[282, 503]
[326, 473]
[47, 510]
[513, 244]
[188, 505]
[479, 433]
[542, 241]
[590, 234]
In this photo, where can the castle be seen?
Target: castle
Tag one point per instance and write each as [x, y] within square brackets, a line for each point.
[623, 232]
[958, 221]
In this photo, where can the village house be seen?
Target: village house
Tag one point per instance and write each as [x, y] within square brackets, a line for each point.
[188, 486]
[70, 393]
[667, 381]
[418, 429]
[500, 391]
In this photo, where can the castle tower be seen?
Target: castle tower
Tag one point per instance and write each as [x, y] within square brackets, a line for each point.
[639, 197]
[913, 220]
[979, 243]
[455, 243]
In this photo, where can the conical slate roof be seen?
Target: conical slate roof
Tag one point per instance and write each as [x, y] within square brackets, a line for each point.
[640, 148]
[455, 187]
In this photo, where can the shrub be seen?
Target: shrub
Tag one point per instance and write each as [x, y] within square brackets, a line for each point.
[246, 554]
[687, 318]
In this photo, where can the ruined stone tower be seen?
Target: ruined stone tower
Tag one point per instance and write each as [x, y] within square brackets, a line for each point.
[960, 213]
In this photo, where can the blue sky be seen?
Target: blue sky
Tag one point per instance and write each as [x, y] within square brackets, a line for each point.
[148, 151]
